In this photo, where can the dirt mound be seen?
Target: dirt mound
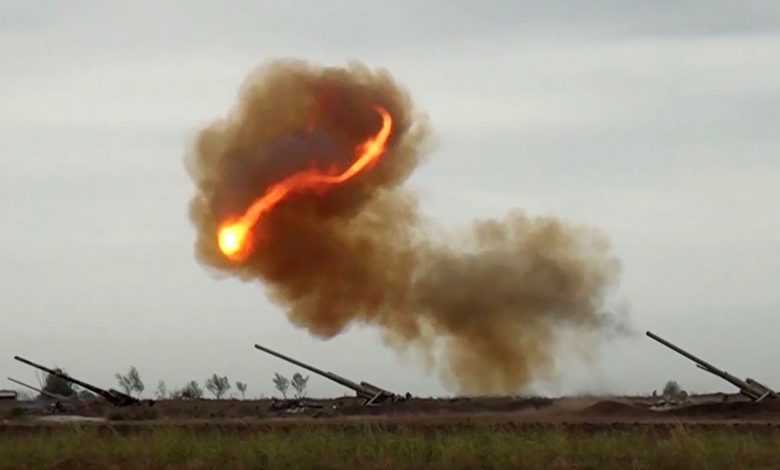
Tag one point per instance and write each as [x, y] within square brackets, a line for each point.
[730, 410]
[614, 408]
[452, 405]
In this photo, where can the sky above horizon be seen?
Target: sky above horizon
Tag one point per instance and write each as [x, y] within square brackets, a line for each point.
[655, 123]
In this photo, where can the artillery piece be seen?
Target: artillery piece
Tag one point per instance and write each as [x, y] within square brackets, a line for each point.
[57, 405]
[44, 393]
[115, 397]
[754, 390]
[371, 393]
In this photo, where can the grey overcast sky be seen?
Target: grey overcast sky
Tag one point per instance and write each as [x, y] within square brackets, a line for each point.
[654, 121]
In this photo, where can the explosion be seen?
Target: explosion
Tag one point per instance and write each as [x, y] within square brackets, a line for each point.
[300, 187]
[233, 233]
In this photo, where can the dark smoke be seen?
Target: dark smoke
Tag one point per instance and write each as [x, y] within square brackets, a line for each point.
[495, 296]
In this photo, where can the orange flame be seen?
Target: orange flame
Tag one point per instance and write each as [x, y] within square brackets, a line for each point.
[234, 234]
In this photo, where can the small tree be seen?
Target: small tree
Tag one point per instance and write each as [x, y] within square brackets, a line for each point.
[162, 390]
[281, 383]
[218, 385]
[124, 383]
[241, 386]
[131, 382]
[191, 391]
[58, 386]
[299, 383]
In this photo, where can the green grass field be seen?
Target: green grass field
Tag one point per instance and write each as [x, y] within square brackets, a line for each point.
[373, 448]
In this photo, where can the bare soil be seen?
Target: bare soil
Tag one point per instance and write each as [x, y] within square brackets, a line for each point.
[577, 414]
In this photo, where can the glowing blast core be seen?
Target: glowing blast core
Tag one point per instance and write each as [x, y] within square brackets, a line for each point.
[234, 237]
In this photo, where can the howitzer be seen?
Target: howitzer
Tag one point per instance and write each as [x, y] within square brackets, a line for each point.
[750, 388]
[115, 397]
[53, 396]
[370, 392]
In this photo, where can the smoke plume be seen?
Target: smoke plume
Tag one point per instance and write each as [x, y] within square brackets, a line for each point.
[495, 296]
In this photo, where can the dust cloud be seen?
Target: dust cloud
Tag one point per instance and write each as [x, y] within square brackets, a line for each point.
[492, 298]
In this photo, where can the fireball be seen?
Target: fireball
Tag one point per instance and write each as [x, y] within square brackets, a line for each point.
[235, 234]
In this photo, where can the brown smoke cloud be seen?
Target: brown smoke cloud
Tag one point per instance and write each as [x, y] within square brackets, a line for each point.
[494, 296]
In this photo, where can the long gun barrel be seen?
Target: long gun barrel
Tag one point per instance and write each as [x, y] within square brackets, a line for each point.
[114, 397]
[746, 388]
[364, 390]
[53, 396]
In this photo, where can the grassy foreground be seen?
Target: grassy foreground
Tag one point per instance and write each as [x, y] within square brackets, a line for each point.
[372, 448]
